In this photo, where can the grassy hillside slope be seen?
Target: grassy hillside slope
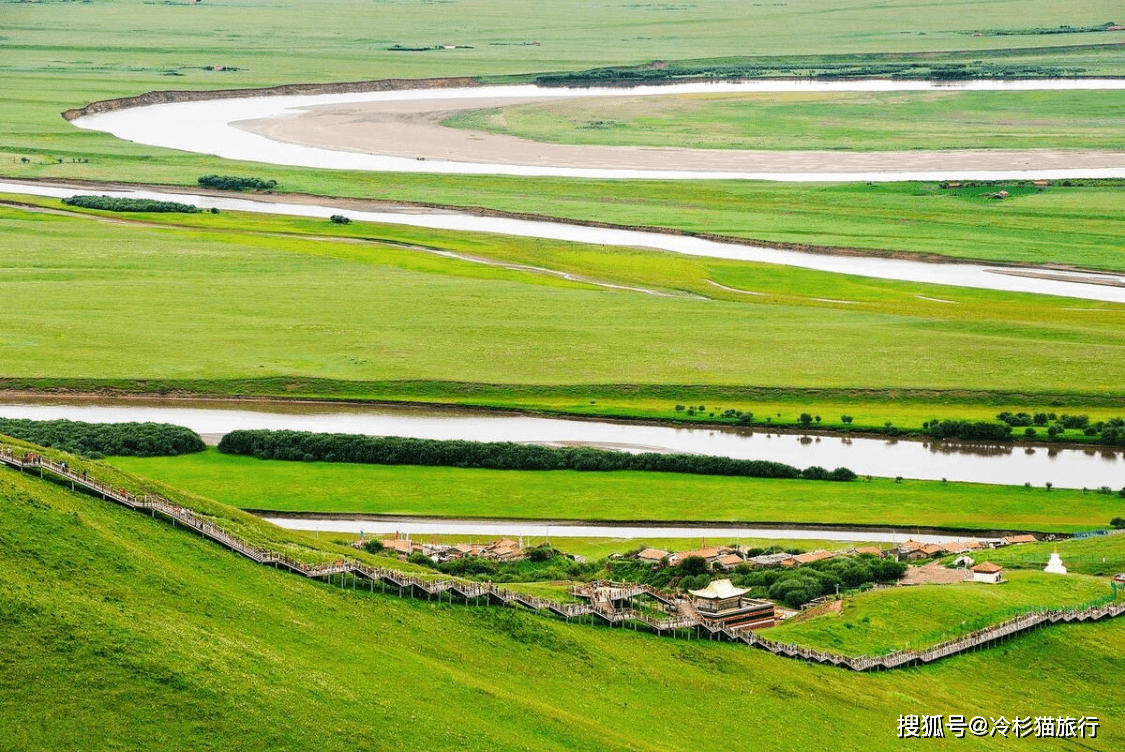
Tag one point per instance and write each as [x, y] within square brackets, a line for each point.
[121, 632]
[276, 485]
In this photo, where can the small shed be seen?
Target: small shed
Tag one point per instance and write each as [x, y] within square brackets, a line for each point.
[988, 572]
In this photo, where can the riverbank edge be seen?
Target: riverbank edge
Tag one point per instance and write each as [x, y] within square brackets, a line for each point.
[375, 204]
[703, 525]
[141, 390]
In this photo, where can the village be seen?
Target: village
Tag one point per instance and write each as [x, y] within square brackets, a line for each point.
[720, 601]
[718, 558]
[714, 585]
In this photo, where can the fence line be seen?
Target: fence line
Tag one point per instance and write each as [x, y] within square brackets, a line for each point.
[603, 602]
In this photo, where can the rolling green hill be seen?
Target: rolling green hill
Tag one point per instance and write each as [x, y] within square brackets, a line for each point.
[122, 632]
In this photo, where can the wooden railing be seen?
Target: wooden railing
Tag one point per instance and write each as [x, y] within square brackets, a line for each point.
[599, 596]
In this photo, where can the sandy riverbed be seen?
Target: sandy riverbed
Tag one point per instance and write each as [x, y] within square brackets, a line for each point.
[412, 129]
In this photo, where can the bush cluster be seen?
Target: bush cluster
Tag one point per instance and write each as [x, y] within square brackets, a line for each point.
[1110, 432]
[395, 450]
[232, 183]
[969, 430]
[108, 203]
[796, 587]
[793, 587]
[101, 439]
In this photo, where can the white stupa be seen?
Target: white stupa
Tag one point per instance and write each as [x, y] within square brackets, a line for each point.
[1055, 565]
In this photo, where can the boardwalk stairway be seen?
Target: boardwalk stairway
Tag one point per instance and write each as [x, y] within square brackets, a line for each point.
[607, 603]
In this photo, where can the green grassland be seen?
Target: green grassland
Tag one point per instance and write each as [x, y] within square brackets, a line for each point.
[1099, 555]
[914, 617]
[59, 55]
[306, 547]
[88, 299]
[1075, 225]
[251, 483]
[878, 121]
[158, 640]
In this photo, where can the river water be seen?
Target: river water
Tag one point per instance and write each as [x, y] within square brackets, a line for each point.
[1099, 286]
[207, 127]
[510, 528]
[926, 460]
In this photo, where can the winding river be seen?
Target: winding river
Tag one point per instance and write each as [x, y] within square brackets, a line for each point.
[400, 131]
[1065, 467]
[1085, 285]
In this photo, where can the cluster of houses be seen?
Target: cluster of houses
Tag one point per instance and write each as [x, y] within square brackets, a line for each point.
[501, 550]
[727, 558]
[913, 550]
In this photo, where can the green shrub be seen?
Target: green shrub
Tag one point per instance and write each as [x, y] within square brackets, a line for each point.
[95, 440]
[108, 203]
[232, 183]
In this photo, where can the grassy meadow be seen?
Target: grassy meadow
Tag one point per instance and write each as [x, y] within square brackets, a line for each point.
[870, 121]
[1098, 555]
[232, 297]
[61, 55]
[123, 632]
[160, 640]
[276, 485]
[914, 617]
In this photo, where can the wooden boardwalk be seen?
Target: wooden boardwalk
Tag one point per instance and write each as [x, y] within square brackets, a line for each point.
[605, 603]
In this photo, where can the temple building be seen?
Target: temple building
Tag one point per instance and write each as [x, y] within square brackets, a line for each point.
[988, 572]
[722, 601]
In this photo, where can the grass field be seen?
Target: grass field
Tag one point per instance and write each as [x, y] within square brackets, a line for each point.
[89, 299]
[1100, 555]
[57, 56]
[914, 617]
[375, 489]
[861, 121]
[159, 640]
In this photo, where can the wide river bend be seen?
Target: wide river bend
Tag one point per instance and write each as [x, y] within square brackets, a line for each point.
[1065, 467]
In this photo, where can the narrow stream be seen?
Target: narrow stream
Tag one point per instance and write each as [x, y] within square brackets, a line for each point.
[1099, 286]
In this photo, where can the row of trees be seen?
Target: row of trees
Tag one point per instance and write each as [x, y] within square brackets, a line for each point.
[108, 203]
[395, 450]
[630, 75]
[234, 183]
[101, 439]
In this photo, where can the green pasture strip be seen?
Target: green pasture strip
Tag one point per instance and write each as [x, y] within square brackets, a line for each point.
[867, 121]
[164, 641]
[261, 40]
[1096, 555]
[310, 548]
[915, 617]
[250, 483]
[1076, 225]
[87, 299]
